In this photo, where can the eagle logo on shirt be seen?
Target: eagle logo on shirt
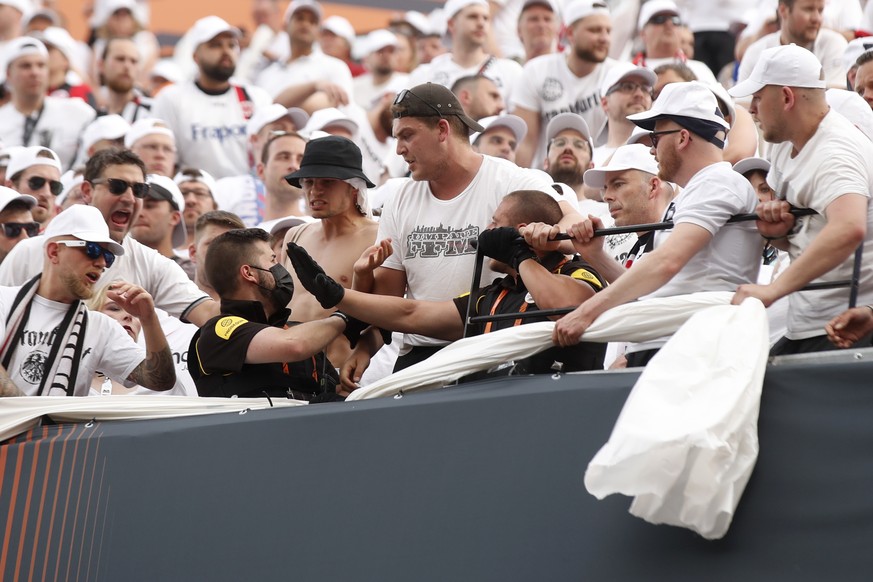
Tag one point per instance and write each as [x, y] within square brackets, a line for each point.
[33, 367]
[552, 89]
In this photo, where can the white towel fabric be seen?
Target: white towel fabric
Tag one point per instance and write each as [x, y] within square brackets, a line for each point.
[686, 441]
[19, 414]
[634, 322]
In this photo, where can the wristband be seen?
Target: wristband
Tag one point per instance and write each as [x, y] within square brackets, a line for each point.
[341, 315]
[870, 307]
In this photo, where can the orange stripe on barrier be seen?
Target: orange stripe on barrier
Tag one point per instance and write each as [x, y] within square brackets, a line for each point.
[16, 481]
[88, 505]
[48, 466]
[69, 480]
[24, 522]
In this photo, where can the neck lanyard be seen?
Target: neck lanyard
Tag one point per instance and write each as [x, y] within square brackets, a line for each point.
[30, 124]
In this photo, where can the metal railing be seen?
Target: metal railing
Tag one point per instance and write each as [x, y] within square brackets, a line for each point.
[851, 283]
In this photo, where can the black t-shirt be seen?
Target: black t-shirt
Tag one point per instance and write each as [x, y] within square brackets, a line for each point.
[218, 351]
[508, 295]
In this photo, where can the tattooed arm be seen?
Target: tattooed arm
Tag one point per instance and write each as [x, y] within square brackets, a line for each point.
[7, 386]
[157, 371]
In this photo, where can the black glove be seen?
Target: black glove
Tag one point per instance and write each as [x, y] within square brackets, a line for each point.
[313, 278]
[354, 327]
[506, 245]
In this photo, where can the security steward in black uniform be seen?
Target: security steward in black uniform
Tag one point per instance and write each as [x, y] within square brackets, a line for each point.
[536, 279]
[250, 350]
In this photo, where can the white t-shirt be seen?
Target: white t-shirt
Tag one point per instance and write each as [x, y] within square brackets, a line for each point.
[315, 66]
[443, 70]
[58, 127]
[210, 130]
[431, 237]
[733, 256]
[366, 91]
[551, 88]
[837, 160]
[829, 48]
[239, 194]
[107, 347]
[164, 279]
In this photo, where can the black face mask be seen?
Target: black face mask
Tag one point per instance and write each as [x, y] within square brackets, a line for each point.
[282, 292]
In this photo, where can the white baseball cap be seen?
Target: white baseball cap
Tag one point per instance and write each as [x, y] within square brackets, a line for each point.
[416, 20]
[627, 157]
[786, 66]
[26, 157]
[751, 164]
[8, 195]
[513, 123]
[85, 223]
[296, 5]
[375, 41]
[202, 177]
[60, 39]
[550, 4]
[653, 7]
[636, 135]
[622, 69]
[18, 47]
[104, 127]
[208, 28]
[274, 112]
[692, 105]
[452, 7]
[579, 9]
[328, 117]
[853, 107]
[855, 49]
[23, 6]
[340, 27]
[144, 127]
[164, 188]
[167, 69]
[563, 121]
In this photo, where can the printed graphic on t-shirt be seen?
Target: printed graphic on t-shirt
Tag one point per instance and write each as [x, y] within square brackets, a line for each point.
[581, 106]
[441, 241]
[32, 367]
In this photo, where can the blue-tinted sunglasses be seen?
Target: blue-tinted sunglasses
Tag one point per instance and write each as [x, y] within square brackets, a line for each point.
[92, 249]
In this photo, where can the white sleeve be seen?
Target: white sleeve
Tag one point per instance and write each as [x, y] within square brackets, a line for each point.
[388, 228]
[168, 284]
[524, 94]
[119, 355]
[22, 263]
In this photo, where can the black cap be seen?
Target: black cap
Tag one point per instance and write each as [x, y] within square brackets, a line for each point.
[330, 157]
[429, 100]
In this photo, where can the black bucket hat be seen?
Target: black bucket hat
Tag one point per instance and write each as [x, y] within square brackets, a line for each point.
[330, 157]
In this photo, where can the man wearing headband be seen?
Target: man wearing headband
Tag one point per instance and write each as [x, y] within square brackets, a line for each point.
[335, 189]
[701, 252]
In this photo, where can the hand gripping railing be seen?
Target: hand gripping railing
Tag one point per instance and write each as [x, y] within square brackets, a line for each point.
[852, 283]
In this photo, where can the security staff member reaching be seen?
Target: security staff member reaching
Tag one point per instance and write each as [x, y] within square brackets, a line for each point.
[248, 350]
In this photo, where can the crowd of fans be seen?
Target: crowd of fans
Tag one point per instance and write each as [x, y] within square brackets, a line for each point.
[296, 210]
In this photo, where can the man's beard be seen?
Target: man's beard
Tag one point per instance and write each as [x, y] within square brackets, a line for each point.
[668, 165]
[218, 72]
[589, 56]
[571, 176]
[75, 286]
[119, 86]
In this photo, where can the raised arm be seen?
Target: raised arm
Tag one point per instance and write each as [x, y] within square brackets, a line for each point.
[156, 371]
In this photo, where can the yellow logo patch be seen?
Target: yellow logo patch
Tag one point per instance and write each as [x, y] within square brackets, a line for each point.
[583, 275]
[224, 327]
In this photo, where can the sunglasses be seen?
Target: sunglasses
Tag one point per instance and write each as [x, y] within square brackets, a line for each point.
[404, 94]
[37, 182]
[117, 186]
[92, 249]
[628, 87]
[664, 18]
[13, 229]
[656, 136]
